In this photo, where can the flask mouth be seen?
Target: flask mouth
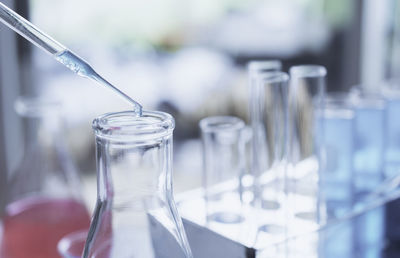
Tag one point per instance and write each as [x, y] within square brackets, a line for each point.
[126, 126]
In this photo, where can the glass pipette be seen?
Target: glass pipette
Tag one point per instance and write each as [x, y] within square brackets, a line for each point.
[58, 51]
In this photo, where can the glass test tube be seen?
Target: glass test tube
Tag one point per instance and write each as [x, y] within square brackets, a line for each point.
[306, 96]
[370, 110]
[255, 70]
[391, 93]
[269, 116]
[269, 125]
[223, 166]
[335, 144]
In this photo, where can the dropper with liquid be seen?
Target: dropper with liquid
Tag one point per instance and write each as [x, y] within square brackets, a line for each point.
[58, 51]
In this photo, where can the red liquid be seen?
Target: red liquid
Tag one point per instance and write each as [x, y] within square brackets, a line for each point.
[33, 227]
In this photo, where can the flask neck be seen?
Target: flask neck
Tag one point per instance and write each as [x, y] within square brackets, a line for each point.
[136, 174]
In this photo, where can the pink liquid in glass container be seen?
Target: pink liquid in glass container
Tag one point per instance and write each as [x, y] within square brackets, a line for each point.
[32, 227]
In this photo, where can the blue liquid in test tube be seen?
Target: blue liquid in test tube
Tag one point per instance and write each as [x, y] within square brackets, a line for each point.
[392, 156]
[336, 172]
[335, 195]
[368, 172]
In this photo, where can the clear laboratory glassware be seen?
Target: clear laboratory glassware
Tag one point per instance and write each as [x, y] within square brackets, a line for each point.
[135, 214]
[335, 193]
[370, 126]
[306, 97]
[43, 193]
[335, 143]
[257, 68]
[269, 118]
[223, 168]
[391, 93]
[369, 150]
[254, 69]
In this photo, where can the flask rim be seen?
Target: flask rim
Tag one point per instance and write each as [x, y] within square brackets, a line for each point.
[127, 126]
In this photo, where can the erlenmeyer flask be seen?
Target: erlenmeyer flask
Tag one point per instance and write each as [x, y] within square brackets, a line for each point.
[43, 196]
[135, 214]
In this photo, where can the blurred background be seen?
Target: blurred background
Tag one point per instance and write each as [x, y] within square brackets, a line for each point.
[185, 57]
